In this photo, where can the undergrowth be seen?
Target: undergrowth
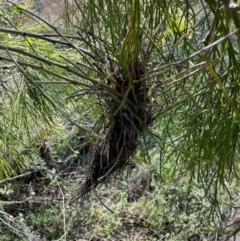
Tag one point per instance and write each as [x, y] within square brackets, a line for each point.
[141, 207]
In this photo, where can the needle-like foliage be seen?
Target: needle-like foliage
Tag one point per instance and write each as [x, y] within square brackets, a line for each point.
[169, 65]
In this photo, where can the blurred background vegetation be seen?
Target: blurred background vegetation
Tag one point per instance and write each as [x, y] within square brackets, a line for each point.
[67, 68]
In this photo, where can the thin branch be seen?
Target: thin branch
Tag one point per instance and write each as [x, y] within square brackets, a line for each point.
[79, 50]
[57, 64]
[42, 68]
[31, 35]
[204, 49]
[15, 177]
[50, 100]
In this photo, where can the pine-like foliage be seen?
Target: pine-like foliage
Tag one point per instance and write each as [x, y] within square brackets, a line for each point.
[172, 66]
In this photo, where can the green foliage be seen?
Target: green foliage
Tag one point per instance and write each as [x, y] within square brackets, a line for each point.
[173, 207]
[47, 222]
[174, 210]
[190, 57]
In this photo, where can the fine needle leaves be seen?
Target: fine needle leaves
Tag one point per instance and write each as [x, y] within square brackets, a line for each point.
[166, 69]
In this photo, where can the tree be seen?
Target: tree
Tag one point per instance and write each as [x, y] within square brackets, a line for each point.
[167, 70]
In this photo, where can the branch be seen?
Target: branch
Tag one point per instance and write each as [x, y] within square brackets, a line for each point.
[49, 99]
[62, 66]
[47, 38]
[42, 68]
[38, 36]
[79, 50]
